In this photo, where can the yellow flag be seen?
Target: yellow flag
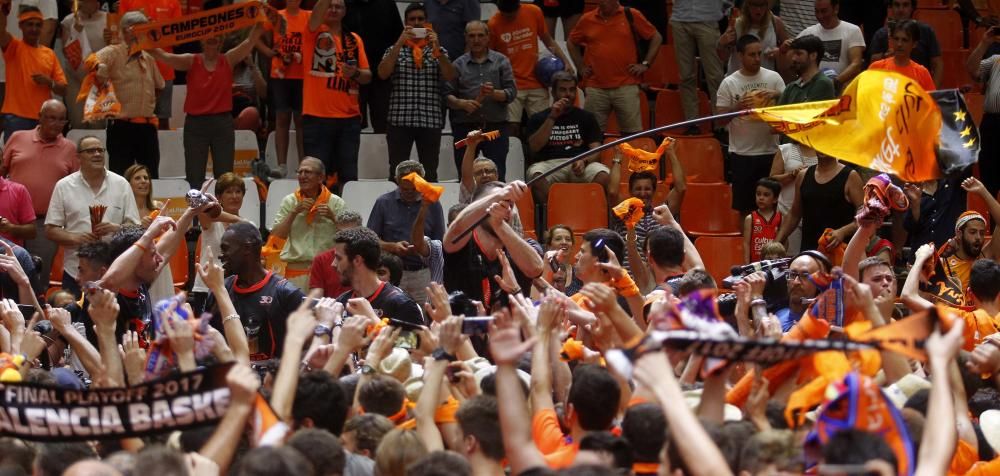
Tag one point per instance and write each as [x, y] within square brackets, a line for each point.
[884, 121]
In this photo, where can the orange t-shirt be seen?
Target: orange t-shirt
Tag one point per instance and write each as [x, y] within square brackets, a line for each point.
[325, 91]
[559, 451]
[988, 468]
[25, 96]
[517, 39]
[155, 10]
[978, 325]
[291, 42]
[964, 458]
[959, 268]
[609, 46]
[914, 71]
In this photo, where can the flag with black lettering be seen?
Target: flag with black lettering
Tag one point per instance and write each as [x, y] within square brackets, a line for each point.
[886, 122]
[178, 402]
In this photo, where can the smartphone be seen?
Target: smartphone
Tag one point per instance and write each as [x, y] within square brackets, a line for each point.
[476, 325]
[419, 33]
[26, 310]
[312, 301]
[405, 325]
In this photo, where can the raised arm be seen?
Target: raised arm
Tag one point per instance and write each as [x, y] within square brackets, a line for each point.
[468, 159]
[938, 446]
[676, 195]
[855, 251]
[911, 287]
[104, 312]
[515, 422]
[180, 62]
[300, 326]
[521, 253]
[236, 336]
[692, 259]
[243, 384]
[242, 50]
[477, 210]
[318, 13]
[449, 339]
[974, 186]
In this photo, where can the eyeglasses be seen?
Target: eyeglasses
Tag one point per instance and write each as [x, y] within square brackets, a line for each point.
[793, 275]
[305, 172]
[485, 172]
[56, 120]
[93, 150]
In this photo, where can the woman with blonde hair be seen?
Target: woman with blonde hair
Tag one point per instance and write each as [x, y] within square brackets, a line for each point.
[399, 448]
[142, 188]
[755, 18]
[229, 190]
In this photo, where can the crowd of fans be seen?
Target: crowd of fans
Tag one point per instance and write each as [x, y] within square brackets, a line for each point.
[425, 341]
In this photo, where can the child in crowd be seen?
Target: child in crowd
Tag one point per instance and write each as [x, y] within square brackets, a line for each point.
[773, 250]
[761, 226]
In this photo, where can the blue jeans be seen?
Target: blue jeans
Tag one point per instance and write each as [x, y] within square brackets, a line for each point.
[335, 142]
[12, 124]
[495, 150]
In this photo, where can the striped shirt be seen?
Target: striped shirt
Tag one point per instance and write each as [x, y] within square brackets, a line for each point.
[797, 15]
[991, 76]
[135, 80]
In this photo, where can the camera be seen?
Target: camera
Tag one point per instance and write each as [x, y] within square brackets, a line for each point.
[775, 286]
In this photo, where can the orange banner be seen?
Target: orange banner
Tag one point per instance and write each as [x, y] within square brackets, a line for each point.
[198, 26]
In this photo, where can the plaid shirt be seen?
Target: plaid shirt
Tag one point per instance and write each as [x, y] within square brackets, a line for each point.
[416, 93]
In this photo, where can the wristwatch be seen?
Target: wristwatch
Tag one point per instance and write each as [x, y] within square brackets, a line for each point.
[440, 354]
[645, 63]
[322, 330]
[367, 370]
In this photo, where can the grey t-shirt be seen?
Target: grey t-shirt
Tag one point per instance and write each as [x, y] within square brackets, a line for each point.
[358, 465]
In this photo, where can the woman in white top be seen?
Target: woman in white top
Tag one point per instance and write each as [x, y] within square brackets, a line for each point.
[788, 162]
[88, 23]
[755, 19]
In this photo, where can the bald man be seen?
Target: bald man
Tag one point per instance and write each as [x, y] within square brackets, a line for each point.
[37, 159]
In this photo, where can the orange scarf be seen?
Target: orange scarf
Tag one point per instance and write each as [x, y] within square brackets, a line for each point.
[428, 191]
[323, 199]
[417, 45]
[836, 253]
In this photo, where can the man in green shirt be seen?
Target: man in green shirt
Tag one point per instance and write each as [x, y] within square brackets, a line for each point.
[812, 85]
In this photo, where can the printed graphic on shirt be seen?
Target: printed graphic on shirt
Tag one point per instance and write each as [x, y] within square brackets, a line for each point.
[517, 40]
[831, 51]
[566, 136]
[324, 63]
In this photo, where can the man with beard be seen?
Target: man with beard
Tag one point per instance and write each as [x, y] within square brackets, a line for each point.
[800, 286]
[470, 263]
[806, 52]
[356, 260]
[262, 299]
[969, 242]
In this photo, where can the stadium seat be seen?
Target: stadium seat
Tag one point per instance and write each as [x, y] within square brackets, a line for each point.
[701, 158]
[515, 161]
[670, 111]
[277, 192]
[974, 101]
[450, 196]
[359, 197]
[664, 70]
[720, 253]
[581, 206]
[931, 5]
[706, 210]
[526, 210]
[171, 145]
[373, 158]
[271, 153]
[174, 191]
[250, 210]
[947, 25]
[179, 264]
[954, 74]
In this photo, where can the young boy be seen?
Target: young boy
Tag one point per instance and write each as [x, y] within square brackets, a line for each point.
[761, 226]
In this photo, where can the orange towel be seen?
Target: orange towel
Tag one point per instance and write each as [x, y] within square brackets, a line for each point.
[430, 193]
[629, 211]
[641, 160]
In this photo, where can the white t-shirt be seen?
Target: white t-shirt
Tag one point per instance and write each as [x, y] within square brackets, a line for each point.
[70, 208]
[837, 42]
[794, 157]
[50, 11]
[749, 136]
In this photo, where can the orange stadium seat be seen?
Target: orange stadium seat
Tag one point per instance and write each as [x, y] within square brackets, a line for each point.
[954, 74]
[581, 206]
[526, 210]
[720, 253]
[931, 5]
[701, 158]
[947, 25]
[668, 109]
[179, 265]
[974, 202]
[664, 70]
[706, 210]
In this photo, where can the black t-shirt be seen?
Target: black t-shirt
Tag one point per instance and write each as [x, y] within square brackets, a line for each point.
[135, 313]
[469, 270]
[571, 134]
[390, 302]
[263, 308]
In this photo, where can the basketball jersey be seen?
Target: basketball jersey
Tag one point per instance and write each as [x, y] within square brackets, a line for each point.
[762, 232]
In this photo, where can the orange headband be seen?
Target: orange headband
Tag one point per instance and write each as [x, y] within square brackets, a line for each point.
[30, 15]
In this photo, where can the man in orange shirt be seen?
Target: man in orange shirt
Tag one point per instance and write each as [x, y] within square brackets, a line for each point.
[155, 11]
[610, 65]
[33, 72]
[905, 35]
[336, 66]
[514, 31]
